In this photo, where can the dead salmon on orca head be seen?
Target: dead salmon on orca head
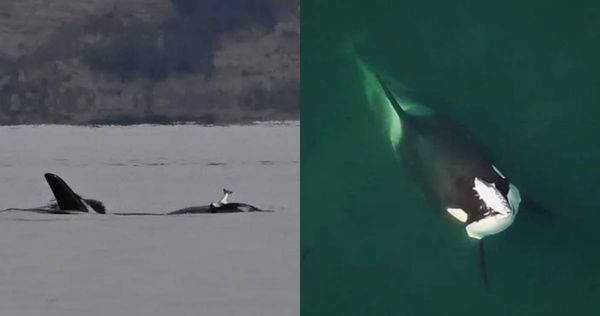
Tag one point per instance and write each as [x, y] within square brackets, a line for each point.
[501, 210]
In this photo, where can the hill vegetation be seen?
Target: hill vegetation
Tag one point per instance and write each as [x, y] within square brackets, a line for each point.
[150, 61]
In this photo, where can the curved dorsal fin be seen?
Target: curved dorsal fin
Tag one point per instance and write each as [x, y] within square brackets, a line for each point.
[390, 96]
[65, 197]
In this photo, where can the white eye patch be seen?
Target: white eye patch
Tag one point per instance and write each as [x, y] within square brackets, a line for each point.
[458, 213]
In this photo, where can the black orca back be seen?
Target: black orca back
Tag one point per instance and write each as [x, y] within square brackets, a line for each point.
[225, 208]
[445, 159]
[238, 207]
[192, 210]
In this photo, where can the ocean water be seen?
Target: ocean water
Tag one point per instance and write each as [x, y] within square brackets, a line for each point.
[523, 77]
[204, 264]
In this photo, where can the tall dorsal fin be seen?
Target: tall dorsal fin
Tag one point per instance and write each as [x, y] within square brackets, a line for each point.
[65, 197]
[390, 96]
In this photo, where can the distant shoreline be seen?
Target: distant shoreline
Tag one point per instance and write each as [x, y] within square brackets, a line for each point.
[174, 123]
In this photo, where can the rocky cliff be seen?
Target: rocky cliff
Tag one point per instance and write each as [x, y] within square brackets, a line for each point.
[106, 61]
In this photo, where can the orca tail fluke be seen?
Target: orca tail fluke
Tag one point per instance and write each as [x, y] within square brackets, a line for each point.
[65, 197]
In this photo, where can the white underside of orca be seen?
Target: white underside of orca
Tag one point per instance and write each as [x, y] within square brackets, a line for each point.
[90, 209]
[496, 223]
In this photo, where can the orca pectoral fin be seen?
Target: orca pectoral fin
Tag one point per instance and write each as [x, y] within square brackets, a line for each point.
[65, 197]
[535, 207]
[482, 262]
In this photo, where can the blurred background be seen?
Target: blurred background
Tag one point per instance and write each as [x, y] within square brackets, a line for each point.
[148, 61]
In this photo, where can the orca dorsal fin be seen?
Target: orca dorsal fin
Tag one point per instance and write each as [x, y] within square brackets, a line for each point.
[65, 197]
[390, 96]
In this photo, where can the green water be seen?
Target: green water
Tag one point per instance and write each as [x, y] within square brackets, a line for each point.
[525, 77]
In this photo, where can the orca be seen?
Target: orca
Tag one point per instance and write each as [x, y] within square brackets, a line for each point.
[66, 200]
[69, 202]
[223, 206]
[455, 172]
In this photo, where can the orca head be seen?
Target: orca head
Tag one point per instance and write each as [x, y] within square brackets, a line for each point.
[500, 203]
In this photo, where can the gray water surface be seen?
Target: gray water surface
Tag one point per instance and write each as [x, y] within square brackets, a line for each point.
[207, 264]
